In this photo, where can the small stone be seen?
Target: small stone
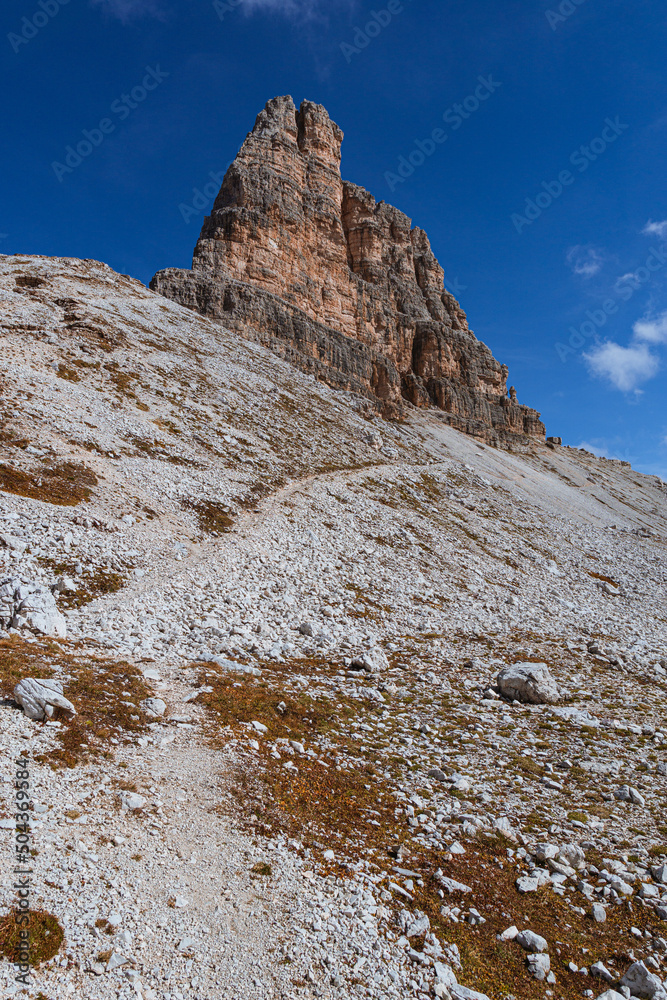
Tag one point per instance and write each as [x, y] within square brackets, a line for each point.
[131, 801]
[444, 974]
[373, 661]
[598, 913]
[539, 965]
[232, 667]
[451, 885]
[503, 826]
[627, 794]
[124, 939]
[186, 944]
[571, 855]
[530, 941]
[659, 873]
[259, 727]
[527, 884]
[598, 969]
[154, 707]
[636, 797]
[116, 961]
[463, 993]
[415, 924]
[543, 852]
[510, 933]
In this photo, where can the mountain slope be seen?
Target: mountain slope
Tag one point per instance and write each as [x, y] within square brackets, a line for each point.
[210, 503]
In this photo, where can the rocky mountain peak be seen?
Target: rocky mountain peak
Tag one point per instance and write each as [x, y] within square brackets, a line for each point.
[342, 285]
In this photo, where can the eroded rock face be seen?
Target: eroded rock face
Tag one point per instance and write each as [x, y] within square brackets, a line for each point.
[339, 284]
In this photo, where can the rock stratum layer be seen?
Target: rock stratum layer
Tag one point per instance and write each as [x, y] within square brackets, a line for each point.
[339, 284]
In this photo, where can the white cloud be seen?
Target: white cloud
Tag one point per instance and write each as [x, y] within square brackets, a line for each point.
[585, 261]
[656, 229]
[130, 10]
[652, 330]
[626, 368]
[602, 451]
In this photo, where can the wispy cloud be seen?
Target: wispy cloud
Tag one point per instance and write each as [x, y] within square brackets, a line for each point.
[625, 368]
[656, 229]
[596, 448]
[585, 261]
[653, 330]
[301, 8]
[130, 10]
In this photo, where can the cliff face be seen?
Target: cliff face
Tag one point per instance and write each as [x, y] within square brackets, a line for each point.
[341, 285]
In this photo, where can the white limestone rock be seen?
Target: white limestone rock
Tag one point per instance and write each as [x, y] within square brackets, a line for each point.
[530, 683]
[40, 699]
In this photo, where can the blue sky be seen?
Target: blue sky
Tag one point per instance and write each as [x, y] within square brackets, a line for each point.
[545, 202]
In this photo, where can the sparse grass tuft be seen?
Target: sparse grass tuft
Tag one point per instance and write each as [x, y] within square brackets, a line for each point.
[214, 519]
[65, 485]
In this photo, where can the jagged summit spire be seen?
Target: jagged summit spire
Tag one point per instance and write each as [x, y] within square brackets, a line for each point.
[340, 284]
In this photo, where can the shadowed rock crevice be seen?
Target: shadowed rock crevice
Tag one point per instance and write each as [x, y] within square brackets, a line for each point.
[339, 284]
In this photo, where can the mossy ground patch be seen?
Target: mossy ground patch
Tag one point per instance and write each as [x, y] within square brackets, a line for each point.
[46, 936]
[65, 484]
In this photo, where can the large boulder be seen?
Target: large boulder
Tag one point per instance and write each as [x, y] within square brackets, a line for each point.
[642, 983]
[530, 683]
[373, 661]
[40, 699]
[41, 613]
[27, 605]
